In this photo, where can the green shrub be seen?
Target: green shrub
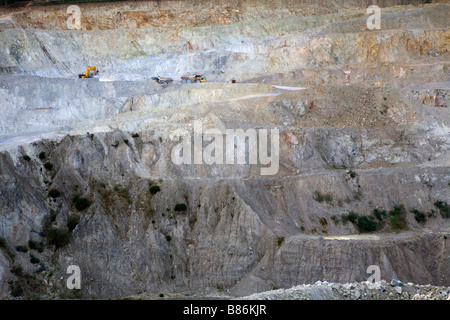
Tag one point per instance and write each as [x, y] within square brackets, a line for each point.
[180, 207]
[126, 141]
[22, 249]
[168, 238]
[48, 165]
[155, 189]
[444, 208]
[352, 174]
[419, 216]
[397, 218]
[366, 224]
[34, 245]
[116, 144]
[72, 221]
[135, 135]
[80, 202]
[335, 219]
[33, 259]
[323, 221]
[53, 215]
[26, 158]
[352, 217]
[379, 214]
[54, 193]
[280, 241]
[57, 237]
[161, 295]
[42, 155]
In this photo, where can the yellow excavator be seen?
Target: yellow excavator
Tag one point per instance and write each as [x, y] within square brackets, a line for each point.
[91, 72]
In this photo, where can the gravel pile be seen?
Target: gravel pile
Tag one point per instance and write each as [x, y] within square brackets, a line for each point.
[395, 290]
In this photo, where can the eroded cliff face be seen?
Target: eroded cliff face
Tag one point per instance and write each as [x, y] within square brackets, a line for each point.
[79, 158]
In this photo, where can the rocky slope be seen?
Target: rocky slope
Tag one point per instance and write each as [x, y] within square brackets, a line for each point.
[87, 177]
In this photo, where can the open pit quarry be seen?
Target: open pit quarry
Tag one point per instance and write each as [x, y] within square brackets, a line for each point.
[87, 175]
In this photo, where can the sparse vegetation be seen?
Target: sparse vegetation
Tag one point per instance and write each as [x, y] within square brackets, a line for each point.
[34, 260]
[366, 224]
[57, 237]
[48, 165]
[26, 158]
[319, 197]
[155, 189]
[335, 219]
[352, 174]
[397, 218]
[22, 249]
[34, 245]
[180, 207]
[17, 270]
[54, 193]
[323, 221]
[80, 203]
[280, 240]
[42, 155]
[73, 221]
[419, 216]
[444, 208]
[52, 215]
[379, 214]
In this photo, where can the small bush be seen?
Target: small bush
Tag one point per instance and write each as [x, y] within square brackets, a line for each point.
[116, 144]
[352, 174]
[135, 135]
[366, 224]
[54, 193]
[26, 158]
[168, 238]
[335, 219]
[419, 216]
[42, 155]
[397, 218]
[319, 197]
[22, 249]
[73, 221]
[80, 202]
[444, 208]
[280, 241]
[323, 221]
[57, 237]
[2, 243]
[180, 207]
[379, 214]
[33, 259]
[17, 270]
[34, 245]
[48, 165]
[53, 215]
[161, 295]
[155, 189]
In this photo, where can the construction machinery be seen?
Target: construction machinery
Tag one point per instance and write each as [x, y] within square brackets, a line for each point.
[194, 78]
[161, 80]
[91, 72]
